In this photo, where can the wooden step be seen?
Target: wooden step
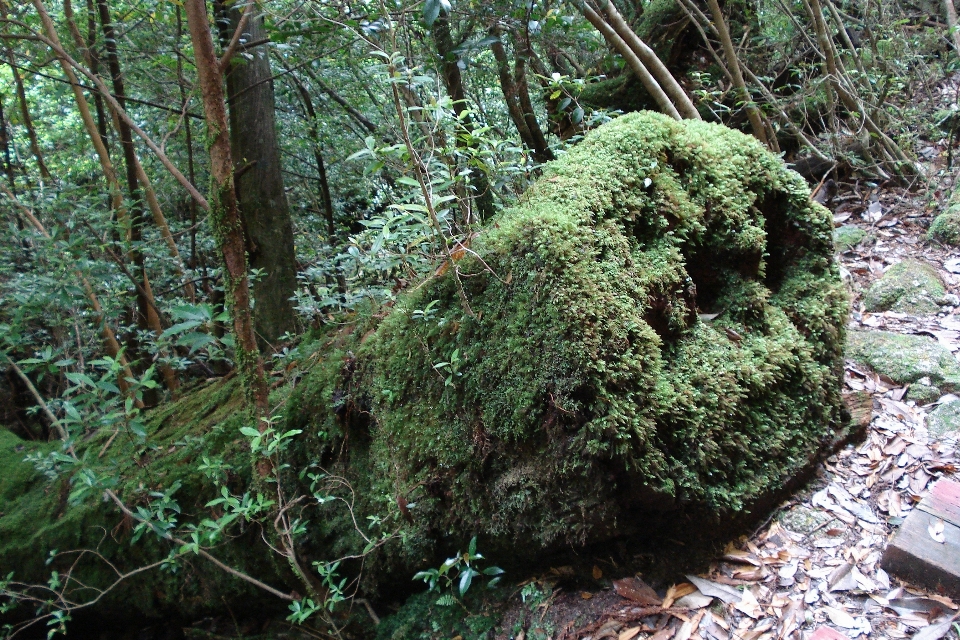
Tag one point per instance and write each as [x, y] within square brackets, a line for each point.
[915, 556]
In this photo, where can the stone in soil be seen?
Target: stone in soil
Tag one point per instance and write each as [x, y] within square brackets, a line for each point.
[848, 236]
[945, 418]
[905, 358]
[910, 286]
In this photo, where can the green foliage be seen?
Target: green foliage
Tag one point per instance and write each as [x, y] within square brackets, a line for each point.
[456, 574]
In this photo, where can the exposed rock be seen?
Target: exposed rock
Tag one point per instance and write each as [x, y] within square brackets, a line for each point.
[910, 286]
[945, 418]
[848, 236]
[905, 358]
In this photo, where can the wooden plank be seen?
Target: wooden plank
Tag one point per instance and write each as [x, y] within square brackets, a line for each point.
[913, 555]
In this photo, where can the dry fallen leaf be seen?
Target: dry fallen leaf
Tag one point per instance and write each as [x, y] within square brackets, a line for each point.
[586, 595]
[628, 633]
[840, 617]
[636, 590]
[688, 628]
[935, 631]
[749, 605]
[717, 590]
[936, 531]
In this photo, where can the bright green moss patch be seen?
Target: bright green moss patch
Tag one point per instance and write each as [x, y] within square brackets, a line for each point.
[905, 358]
[946, 228]
[582, 388]
[848, 236]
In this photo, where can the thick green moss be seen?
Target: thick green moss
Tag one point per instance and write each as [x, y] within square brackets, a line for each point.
[906, 359]
[37, 517]
[946, 228]
[910, 286]
[848, 236]
[581, 389]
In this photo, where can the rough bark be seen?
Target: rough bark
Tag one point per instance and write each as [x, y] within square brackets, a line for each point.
[260, 189]
[224, 210]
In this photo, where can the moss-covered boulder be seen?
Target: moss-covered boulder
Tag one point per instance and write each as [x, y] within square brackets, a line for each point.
[848, 236]
[945, 418]
[905, 359]
[910, 286]
[945, 228]
[49, 523]
[659, 325]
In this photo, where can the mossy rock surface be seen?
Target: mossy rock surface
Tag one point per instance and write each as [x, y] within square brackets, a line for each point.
[848, 236]
[566, 387]
[945, 228]
[40, 515]
[945, 418]
[910, 286]
[905, 358]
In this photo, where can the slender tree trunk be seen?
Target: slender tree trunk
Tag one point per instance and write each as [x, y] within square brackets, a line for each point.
[650, 60]
[541, 149]
[453, 80]
[260, 189]
[950, 10]
[633, 61]
[195, 260]
[733, 64]
[322, 184]
[27, 121]
[224, 210]
[93, 62]
[509, 89]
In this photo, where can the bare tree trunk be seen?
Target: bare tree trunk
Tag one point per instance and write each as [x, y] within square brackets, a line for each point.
[260, 190]
[27, 121]
[650, 61]
[951, 12]
[733, 64]
[322, 184]
[633, 61]
[541, 149]
[224, 211]
[453, 80]
[509, 89]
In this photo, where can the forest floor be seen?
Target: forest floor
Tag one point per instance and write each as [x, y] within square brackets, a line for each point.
[816, 561]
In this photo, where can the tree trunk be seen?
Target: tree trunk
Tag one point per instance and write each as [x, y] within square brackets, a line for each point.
[453, 80]
[651, 61]
[509, 89]
[322, 184]
[224, 210]
[632, 59]
[262, 200]
[541, 149]
[733, 63]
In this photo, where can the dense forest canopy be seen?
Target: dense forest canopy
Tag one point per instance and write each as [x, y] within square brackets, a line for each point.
[196, 191]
